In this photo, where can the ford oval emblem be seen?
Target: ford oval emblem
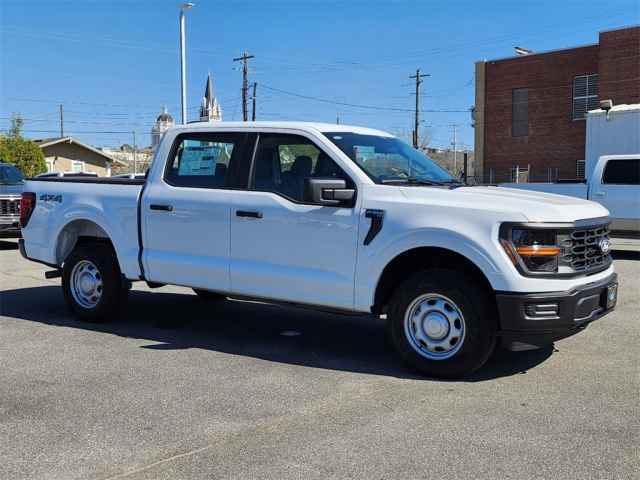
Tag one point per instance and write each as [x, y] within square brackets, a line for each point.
[605, 245]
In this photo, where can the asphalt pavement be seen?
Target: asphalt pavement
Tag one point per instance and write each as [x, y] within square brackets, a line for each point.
[183, 389]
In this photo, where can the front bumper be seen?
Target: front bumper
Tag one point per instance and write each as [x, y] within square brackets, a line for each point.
[541, 318]
[10, 227]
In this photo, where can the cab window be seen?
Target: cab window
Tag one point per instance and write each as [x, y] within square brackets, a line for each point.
[204, 160]
[622, 172]
[283, 162]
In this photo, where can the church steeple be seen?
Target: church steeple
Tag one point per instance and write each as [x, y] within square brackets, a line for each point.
[209, 108]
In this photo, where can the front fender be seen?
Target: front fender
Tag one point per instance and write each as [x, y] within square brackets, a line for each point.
[372, 261]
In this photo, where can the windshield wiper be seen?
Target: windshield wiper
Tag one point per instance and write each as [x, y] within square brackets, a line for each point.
[411, 181]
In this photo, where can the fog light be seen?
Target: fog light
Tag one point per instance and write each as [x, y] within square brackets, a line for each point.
[541, 311]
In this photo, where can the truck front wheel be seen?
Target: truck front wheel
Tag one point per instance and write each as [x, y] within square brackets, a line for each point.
[92, 283]
[442, 323]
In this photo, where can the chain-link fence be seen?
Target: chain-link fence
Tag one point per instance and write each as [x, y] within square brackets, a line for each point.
[520, 175]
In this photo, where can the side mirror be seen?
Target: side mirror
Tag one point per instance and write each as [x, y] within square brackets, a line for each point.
[328, 191]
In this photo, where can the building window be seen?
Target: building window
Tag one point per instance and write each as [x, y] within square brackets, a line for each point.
[77, 166]
[520, 112]
[585, 95]
[580, 169]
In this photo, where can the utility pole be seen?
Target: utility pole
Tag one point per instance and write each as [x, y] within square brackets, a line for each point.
[466, 167]
[455, 151]
[253, 99]
[135, 148]
[245, 82]
[418, 76]
[183, 63]
[61, 122]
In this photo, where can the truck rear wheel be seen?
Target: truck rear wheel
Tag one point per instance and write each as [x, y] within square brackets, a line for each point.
[442, 324]
[92, 283]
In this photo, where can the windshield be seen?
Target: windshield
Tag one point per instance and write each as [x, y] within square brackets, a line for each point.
[389, 160]
[10, 175]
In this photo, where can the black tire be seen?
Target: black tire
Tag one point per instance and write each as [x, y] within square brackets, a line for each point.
[474, 303]
[209, 296]
[114, 290]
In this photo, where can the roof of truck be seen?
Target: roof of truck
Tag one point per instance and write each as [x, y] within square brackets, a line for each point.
[317, 126]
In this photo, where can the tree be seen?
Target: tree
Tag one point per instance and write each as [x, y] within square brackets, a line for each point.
[19, 151]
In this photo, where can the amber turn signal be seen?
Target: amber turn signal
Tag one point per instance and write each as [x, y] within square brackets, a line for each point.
[511, 253]
[538, 251]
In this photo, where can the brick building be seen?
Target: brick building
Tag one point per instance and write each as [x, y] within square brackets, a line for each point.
[530, 109]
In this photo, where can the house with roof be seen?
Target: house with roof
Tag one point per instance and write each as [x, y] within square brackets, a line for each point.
[68, 154]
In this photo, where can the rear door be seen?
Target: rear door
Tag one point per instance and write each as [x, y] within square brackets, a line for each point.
[284, 247]
[186, 213]
[620, 192]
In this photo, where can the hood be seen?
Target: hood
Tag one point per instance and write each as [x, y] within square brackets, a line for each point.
[534, 206]
[11, 189]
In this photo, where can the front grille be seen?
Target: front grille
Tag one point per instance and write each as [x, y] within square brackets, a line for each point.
[583, 249]
[9, 206]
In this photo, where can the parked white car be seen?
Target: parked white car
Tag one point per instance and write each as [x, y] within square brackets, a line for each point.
[337, 218]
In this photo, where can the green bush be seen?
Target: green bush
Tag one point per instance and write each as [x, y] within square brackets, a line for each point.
[19, 151]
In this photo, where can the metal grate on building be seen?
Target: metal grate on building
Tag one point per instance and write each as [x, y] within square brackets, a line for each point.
[585, 95]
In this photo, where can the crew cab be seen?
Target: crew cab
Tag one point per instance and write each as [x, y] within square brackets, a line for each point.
[332, 217]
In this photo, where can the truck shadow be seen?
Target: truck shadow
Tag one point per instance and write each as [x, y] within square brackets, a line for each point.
[172, 321]
[625, 255]
[8, 245]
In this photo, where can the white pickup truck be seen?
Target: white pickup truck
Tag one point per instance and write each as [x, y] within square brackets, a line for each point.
[332, 217]
[614, 183]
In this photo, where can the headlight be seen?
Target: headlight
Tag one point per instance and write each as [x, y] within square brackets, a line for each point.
[536, 249]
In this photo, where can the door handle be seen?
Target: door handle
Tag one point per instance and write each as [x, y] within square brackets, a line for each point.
[600, 194]
[162, 208]
[248, 214]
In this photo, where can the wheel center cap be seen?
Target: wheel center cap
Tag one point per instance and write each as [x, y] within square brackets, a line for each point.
[87, 283]
[435, 325]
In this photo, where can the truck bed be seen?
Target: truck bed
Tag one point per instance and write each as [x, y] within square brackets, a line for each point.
[67, 208]
[100, 180]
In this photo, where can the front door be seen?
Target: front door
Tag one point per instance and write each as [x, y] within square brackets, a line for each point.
[186, 214]
[284, 247]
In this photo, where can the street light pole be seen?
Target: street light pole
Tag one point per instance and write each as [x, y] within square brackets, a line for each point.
[183, 62]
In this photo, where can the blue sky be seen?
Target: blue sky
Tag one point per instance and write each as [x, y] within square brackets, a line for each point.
[113, 64]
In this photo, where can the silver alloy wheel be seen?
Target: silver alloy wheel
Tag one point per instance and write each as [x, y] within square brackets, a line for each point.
[434, 326]
[86, 284]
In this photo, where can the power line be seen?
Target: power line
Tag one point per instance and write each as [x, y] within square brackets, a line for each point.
[79, 131]
[355, 105]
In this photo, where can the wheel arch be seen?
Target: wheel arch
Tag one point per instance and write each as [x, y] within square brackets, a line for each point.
[417, 259]
[79, 230]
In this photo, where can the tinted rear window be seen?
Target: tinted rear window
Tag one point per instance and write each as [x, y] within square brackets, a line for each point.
[10, 174]
[622, 172]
